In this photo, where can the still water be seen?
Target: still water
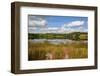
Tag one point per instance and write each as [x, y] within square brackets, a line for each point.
[56, 41]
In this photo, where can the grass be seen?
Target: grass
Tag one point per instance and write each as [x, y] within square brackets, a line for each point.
[39, 51]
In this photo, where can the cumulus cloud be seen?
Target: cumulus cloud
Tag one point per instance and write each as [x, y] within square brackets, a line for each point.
[44, 30]
[32, 29]
[74, 23]
[38, 24]
[49, 30]
[37, 21]
[52, 28]
[73, 26]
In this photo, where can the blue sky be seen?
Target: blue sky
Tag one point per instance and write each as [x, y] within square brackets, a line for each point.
[57, 24]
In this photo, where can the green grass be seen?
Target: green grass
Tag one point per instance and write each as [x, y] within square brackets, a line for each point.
[71, 36]
[38, 51]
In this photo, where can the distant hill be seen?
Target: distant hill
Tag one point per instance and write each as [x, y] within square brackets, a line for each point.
[72, 36]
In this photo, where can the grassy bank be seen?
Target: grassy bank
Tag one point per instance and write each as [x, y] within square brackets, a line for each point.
[39, 51]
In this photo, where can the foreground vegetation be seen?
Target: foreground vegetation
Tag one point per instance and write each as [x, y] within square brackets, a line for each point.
[40, 51]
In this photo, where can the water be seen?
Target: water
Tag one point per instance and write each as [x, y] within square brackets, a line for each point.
[56, 41]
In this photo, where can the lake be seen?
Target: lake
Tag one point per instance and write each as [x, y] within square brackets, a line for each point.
[57, 41]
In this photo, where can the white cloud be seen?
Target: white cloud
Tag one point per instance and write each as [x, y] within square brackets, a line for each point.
[70, 27]
[67, 30]
[43, 30]
[74, 23]
[52, 28]
[39, 25]
[49, 30]
[56, 30]
[31, 29]
[37, 22]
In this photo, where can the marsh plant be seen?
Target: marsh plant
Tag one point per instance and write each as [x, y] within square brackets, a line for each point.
[46, 50]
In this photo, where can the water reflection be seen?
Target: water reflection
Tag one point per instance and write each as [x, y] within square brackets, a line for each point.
[56, 41]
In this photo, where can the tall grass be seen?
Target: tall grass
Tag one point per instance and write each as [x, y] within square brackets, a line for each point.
[38, 51]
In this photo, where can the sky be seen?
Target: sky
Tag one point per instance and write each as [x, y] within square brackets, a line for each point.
[56, 24]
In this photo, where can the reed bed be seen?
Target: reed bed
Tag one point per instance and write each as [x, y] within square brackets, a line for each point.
[40, 51]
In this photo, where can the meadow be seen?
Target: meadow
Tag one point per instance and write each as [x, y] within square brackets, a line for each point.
[48, 51]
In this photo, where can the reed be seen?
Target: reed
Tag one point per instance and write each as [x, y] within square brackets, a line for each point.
[39, 51]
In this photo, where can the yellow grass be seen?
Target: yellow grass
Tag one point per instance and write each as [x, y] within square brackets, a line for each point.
[38, 51]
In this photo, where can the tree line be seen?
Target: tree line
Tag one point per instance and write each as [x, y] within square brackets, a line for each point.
[72, 36]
